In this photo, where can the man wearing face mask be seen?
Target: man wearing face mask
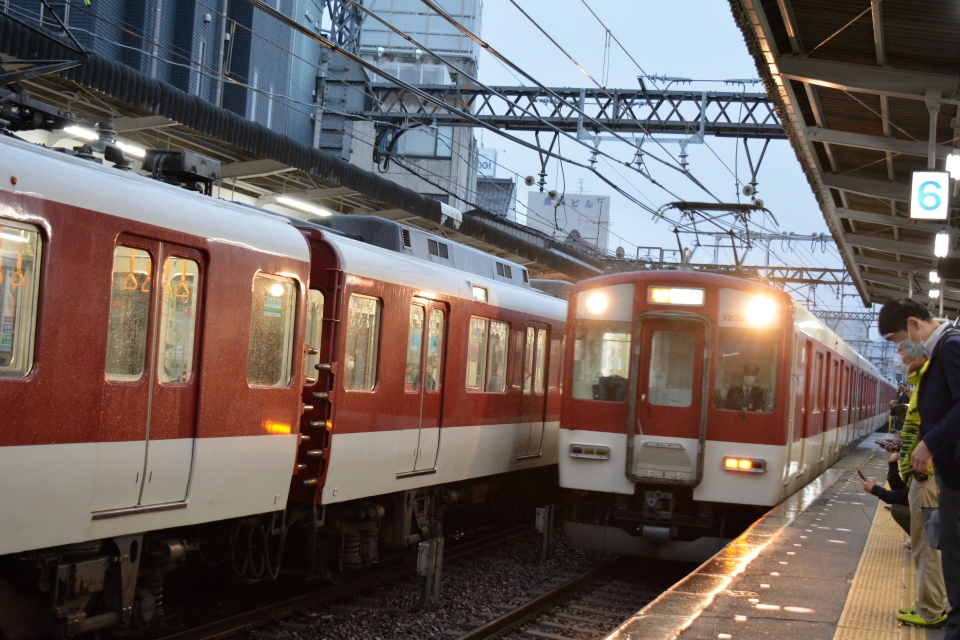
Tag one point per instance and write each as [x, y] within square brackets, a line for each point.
[746, 397]
[909, 324]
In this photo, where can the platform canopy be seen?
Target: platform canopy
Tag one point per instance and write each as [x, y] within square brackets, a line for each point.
[859, 87]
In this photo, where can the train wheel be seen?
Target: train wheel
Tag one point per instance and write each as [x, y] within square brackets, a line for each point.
[21, 617]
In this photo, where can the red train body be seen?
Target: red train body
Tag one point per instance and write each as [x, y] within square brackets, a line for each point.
[663, 439]
[179, 373]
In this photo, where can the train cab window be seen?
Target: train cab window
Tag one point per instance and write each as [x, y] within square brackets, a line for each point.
[540, 383]
[434, 350]
[178, 319]
[411, 379]
[270, 355]
[528, 361]
[672, 362]
[314, 331]
[746, 369]
[363, 341]
[601, 348]
[129, 312]
[19, 282]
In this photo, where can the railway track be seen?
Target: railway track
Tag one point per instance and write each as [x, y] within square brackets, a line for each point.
[256, 618]
[586, 606]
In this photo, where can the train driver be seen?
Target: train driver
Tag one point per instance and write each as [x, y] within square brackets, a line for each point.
[747, 396]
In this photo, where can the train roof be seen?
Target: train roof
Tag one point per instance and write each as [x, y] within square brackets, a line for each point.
[45, 173]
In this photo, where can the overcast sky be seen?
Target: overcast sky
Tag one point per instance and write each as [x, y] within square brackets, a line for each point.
[694, 39]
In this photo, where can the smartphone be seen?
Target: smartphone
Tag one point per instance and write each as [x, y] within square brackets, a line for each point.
[860, 473]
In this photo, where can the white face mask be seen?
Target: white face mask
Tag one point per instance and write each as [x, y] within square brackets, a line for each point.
[911, 348]
[899, 364]
[748, 381]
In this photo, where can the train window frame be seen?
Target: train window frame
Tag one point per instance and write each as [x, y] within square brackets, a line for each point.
[371, 361]
[603, 339]
[268, 308]
[433, 375]
[477, 336]
[540, 366]
[125, 284]
[530, 339]
[172, 292]
[22, 346]
[497, 351]
[417, 326]
[816, 382]
[313, 333]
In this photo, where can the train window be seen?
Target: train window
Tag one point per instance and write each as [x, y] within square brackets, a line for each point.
[816, 383]
[434, 350]
[672, 360]
[129, 312]
[19, 283]
[314, 331]
[601, 348]
[539, 384]
[834, 385]
[178, 319]
[411, 376]
[528, 362]
[746, 369]
[477, 353]
[270, 355]
[497, 360]
[363, 338]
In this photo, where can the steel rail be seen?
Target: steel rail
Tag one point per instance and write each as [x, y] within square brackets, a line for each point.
[524, 612]
[272, 612]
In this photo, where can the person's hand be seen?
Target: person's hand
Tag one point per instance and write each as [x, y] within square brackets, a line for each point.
[868, 485]
[895, 456]
[920, 458]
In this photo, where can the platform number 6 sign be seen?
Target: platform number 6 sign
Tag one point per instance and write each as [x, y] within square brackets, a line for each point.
[930, 195]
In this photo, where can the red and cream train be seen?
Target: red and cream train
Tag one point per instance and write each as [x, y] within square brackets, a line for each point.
[664, 445]
[182, 373]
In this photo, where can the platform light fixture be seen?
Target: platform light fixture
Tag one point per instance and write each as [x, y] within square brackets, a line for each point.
[953, 165]
[132, 150]
[13, 238]
[934, 277]
[81, 132]
[934, 294]
[303, 206]
[941, 245]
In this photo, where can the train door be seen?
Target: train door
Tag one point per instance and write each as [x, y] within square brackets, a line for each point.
[797, 382]
[423, 392]
[814, 424]
[830, 425]
[173, 405]
[670, 426]
[150, 384]
[533, 408]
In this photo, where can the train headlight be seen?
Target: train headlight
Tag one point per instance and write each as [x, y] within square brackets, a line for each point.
[596, 303]
[761, 311]
[744, 465]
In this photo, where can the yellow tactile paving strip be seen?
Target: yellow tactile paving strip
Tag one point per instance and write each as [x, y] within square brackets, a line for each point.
[884, 582]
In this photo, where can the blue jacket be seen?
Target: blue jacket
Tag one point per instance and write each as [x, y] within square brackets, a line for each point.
[939, 404]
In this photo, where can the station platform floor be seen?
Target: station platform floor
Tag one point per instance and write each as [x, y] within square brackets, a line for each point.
[828, 562]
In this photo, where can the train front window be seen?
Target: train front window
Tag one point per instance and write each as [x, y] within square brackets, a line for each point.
[672, 360]
[601, 350]
[746, 369]
[19, 280]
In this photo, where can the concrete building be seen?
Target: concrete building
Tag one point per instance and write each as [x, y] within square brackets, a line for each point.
[446, 156]
[587, 215]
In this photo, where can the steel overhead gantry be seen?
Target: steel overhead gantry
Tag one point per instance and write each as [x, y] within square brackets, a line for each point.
[633, 111]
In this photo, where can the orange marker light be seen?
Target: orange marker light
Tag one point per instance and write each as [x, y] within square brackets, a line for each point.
[731, 463]
[276, 428]
[746, 464]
